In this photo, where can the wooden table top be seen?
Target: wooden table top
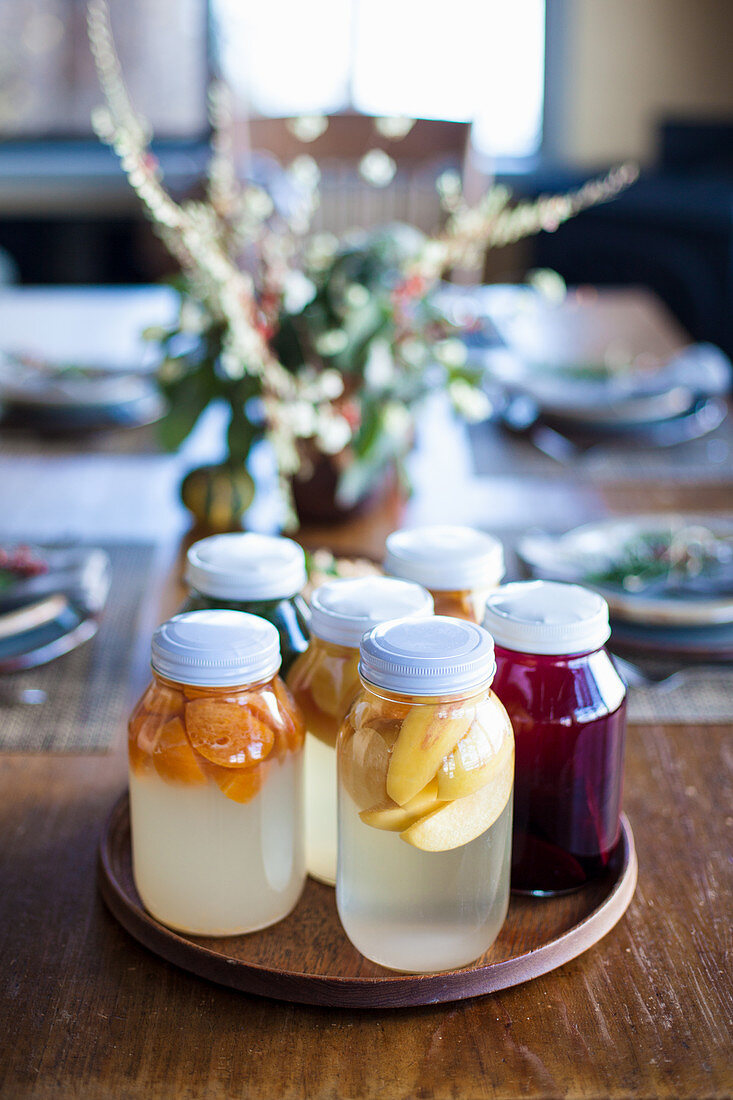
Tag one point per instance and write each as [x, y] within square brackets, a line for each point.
[87, 1012]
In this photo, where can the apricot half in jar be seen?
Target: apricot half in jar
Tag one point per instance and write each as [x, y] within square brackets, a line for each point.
[227, 734]
[173, 757]
[291, 731]
[238, 784]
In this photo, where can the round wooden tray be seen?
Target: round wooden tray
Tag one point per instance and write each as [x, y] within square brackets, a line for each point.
[307, 958]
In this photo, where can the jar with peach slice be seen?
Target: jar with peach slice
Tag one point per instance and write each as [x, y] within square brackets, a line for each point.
[325, 681]
[425, 798]
[216, 747]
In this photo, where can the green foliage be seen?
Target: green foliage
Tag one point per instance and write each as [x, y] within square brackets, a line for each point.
[367, 319]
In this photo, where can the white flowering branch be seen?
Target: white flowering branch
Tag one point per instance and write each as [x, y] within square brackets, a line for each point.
[210, 238]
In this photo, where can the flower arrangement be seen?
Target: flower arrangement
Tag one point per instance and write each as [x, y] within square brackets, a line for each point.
[321, 346]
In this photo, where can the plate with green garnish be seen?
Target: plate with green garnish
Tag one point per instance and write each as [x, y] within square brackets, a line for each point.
[666, 569]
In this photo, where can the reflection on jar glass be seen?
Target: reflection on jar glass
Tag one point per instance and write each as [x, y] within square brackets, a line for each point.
[216, 778]
[425, 799]
[325, 680]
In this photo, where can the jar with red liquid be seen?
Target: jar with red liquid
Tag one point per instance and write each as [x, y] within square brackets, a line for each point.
[567, 706]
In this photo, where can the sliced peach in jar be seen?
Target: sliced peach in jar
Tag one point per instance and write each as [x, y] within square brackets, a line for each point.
[427, 735]
[173, 757]
[388, 815]
[364, 759]
[382, 713]
[226, 733]
[323, 726]
[335, 684]
[456, 823]
[475, 761]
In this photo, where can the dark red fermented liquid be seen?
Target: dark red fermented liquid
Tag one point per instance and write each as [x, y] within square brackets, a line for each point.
[568, 714]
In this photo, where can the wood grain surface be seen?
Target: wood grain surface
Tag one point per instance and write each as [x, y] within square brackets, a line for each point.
[87, 1012]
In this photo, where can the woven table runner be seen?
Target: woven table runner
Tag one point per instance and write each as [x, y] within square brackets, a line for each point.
[88, 692]
[21, 443]
[708, 459]
[703, 695]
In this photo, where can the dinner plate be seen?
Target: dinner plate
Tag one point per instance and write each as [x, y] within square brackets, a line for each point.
[52, 417]
[585, 554]
[45, 616]
[42, 632]
[701, 645]
[61, 397]
[703, 417]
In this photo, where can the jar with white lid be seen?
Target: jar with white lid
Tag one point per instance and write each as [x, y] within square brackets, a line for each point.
[426, 769]
[216, 804]
[459, 566]
[325, 681]
[567, 706]
[257, 574]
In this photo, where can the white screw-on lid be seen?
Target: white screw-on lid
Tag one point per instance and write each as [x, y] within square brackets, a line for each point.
[216, 649]
[547, 617]
[246, 566]
[445, 558]
[343, 610]
[437, 656]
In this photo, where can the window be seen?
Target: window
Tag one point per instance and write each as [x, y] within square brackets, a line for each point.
[48, 85]
[479, 61]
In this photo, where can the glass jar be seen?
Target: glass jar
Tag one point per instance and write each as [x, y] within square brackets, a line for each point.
[258, 574]
[457, 565]
[325, 681]
[426, 769]
[567, 706]
[216, 751]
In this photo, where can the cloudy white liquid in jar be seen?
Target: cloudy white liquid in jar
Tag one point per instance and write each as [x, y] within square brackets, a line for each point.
[321, 815]
[422, 911]
[210, 866]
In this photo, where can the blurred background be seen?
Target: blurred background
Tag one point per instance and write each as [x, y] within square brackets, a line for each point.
[539, 92]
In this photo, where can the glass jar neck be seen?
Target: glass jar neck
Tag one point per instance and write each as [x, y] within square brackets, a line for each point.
[237, 597]
[334, 649]
[478, 691]
[569, 660]
[214, 689]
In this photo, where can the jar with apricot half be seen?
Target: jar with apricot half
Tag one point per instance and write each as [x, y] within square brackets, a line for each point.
[325, 681]
[426, 774]
[216, 758]
[459, 566]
